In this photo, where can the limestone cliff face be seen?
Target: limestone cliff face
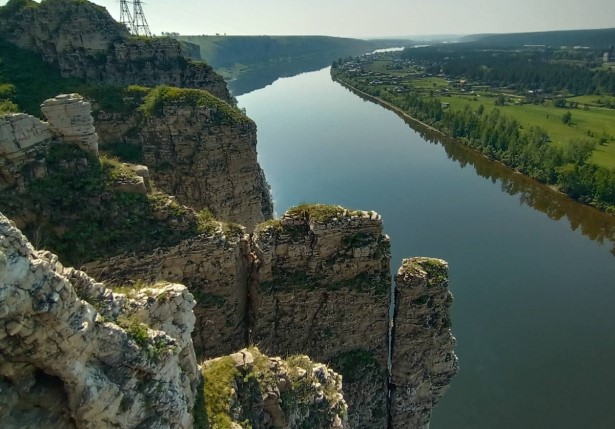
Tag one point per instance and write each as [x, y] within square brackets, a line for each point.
[215, 269]
[273, 392]
[70, 120]
[84, 41]
[159, 61]
[423, 358]
[317, 282]
[207, 163]
[205, 155]
[322, 286]
[24, 140]
[76, 355]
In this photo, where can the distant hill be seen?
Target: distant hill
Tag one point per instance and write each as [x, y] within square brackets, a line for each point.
[598, 38]
[227, 52]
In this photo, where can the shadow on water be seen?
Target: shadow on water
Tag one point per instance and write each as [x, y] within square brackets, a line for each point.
[267, 74]
[592, 223]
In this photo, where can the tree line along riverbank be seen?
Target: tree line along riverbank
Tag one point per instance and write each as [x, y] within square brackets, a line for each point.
[563, 139]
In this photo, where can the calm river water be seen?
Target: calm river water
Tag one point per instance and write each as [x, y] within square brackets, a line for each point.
[533, 274]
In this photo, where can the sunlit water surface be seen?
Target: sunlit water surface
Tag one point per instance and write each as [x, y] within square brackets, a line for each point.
[533, 274]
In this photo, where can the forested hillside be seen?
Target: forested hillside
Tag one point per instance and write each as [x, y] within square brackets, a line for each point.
[230, 54]
[598, 38]
[578, 71]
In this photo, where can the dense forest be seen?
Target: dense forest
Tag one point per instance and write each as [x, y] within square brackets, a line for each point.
[593, 38]
[549, 70]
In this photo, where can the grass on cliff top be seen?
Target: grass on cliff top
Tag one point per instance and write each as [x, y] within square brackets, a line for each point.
[320, 212]
[218, 379]
[13, 6]
[26, 81]
[236, 395]
[437, 271]
[77, 212]
[160, 96]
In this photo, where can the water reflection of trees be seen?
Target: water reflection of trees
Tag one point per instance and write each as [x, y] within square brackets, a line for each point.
[592, 223]
[264, 75]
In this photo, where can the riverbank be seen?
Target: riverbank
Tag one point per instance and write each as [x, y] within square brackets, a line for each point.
[419, 123]
[605, 208]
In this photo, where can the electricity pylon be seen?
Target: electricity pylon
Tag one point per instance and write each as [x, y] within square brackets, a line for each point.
[141, 28]
[135, 22]
[125, 16]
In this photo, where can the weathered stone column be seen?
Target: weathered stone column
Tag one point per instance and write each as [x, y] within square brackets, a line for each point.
[423, 359]
[70, 120]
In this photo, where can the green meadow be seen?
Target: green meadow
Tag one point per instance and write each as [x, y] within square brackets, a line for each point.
[591, 118]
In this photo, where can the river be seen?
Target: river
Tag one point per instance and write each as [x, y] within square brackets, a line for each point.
[532, 273]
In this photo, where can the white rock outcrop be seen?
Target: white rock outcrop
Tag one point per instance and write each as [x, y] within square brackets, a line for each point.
[70, 120]
[20, 133]
[24, 141]
[73, 354]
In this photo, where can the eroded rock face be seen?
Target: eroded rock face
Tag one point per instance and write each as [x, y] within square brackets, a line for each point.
[215, 267]
[273, 392]
[206, 163]
[423, 357]
[89, 357]
[160, 61]
[84, 41]
[24, 140]
[322, 287]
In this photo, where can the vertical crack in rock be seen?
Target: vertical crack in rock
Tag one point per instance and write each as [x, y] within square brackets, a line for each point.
[309, 339]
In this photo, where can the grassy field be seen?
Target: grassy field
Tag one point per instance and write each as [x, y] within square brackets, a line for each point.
[595, 122]
[590, 120]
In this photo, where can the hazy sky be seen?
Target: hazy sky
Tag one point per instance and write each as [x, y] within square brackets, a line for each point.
[363, 18]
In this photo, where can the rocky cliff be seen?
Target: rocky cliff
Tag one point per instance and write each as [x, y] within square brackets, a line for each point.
[83, 41]
[25, 140]
[423, 361]
[317, 281]
[322, 285]
[296, 392]
[76, 354]
[214, 266]
[197, 148]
